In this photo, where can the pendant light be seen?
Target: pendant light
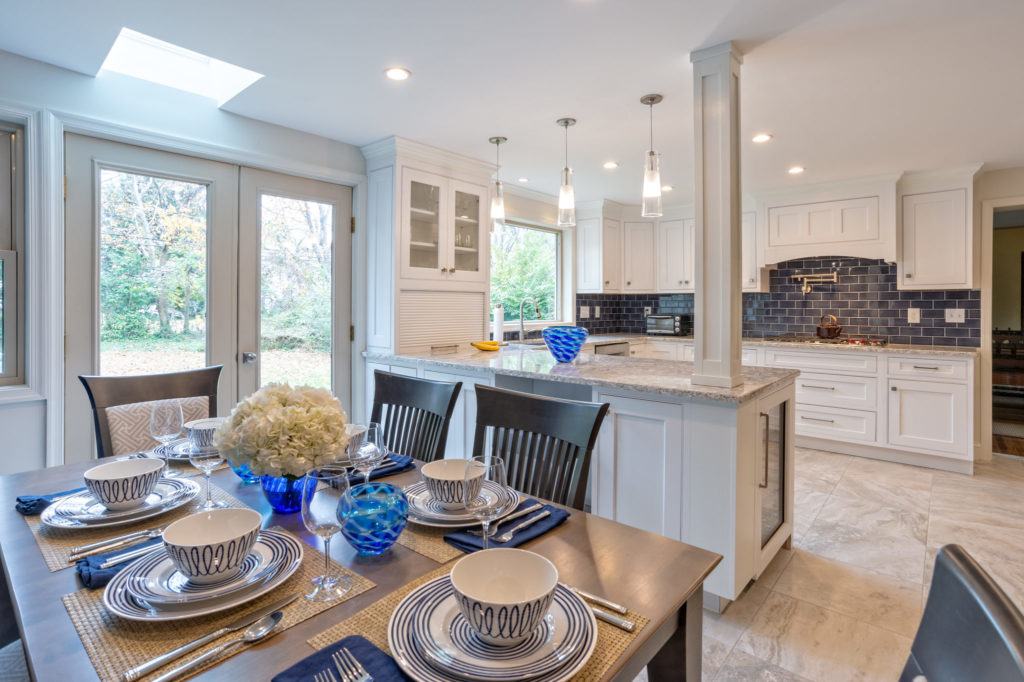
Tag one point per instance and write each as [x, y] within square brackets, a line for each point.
[498, 200]
[652, 168]
[566, 194]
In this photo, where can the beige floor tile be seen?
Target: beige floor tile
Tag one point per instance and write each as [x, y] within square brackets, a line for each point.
[807, 502]
[715, 654]
[822, 644]
[742, 667]
[999, 548]
[819, 469]
[865, 595]
[729, 626]
[886, 483]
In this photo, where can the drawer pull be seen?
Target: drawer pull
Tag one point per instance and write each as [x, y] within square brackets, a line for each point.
[823, 388]
[931, 367]
[818, 419]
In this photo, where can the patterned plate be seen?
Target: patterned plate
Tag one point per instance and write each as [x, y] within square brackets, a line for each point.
[421, 504]
[431, 641]
[178, 450]
[119, 600]
[82, 510]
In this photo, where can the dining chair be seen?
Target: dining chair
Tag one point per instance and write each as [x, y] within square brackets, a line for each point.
[121, 404]
[415, 413]
[970, 629]
[546, 442]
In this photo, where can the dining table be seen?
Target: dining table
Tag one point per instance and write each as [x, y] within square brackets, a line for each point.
[655, 576]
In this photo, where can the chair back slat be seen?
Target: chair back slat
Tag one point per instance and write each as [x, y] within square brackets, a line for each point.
[546, 442]
[415, 413]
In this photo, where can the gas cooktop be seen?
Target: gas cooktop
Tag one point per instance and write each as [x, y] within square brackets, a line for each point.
[841, 341]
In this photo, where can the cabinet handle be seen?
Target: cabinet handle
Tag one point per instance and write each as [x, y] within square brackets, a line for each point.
[764, 481]
[908, 275]
[452, 269]
[823, 388]
[628, 283]
[686, 281]
[931, 367]
[607, 281]
[818, 419]
[893, 389]
[680, 281]
[751, 280]
[444, 269]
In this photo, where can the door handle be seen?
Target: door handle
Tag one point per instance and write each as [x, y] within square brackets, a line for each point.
[767, 424]
[248, 358]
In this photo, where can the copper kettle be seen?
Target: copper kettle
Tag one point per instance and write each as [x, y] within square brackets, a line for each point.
[829, 327]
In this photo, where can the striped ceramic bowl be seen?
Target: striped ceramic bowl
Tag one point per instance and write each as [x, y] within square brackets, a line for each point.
[446, 481]
[124, 484]
[210, 546]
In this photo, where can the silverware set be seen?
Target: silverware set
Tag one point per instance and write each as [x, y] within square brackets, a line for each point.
[113, 543]
[511, 517]
[604, 608]
[350, 669]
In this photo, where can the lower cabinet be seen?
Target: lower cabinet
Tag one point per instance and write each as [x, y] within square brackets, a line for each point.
[462, 429]
[929, 415]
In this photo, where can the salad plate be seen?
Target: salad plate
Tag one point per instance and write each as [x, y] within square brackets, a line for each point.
[425, 508]
[179, 450]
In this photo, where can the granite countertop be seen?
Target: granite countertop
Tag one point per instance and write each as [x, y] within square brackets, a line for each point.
[662, 377]
[900, 348]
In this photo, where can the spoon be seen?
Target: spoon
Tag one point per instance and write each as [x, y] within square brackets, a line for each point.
[255, 632]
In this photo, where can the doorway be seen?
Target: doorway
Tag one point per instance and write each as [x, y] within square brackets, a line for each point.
[174, 262]
[1008, 331]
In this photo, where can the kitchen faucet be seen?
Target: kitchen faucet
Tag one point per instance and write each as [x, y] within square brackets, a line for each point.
[522, 325]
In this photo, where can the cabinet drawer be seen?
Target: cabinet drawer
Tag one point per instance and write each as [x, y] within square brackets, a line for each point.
[685, 352]
[835, 423]
[749, 356]
[829, 390]
[926, 368]
[815, 361]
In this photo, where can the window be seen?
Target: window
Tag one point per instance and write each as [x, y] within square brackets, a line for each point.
[525, 264]
[12, 353]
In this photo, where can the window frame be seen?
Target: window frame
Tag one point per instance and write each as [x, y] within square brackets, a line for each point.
[562, 268]
[13, 374]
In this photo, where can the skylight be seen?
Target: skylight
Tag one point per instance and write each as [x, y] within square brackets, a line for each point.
[140, 56]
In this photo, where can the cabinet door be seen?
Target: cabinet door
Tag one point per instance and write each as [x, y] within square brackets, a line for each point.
[936, 241]
[462, 428]
[750, 270]
[772, 483]
[588, 255]
[664, 350]
[638, 256]
[675, 255]
[468, 233]
[424, 240]
[929, 416]
[611, 255]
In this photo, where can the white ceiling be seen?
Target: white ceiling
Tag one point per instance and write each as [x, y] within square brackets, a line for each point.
[848, 87]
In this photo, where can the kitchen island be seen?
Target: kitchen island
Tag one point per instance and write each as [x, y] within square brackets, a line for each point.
[710, 466]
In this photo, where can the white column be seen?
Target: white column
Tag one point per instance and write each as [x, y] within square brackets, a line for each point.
[718, 299]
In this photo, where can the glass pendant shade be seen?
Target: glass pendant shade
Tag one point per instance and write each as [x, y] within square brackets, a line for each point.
[566, 200]
[652, 186]
[498, 206]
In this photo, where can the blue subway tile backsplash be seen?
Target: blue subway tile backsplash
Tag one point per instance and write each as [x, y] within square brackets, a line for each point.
[865, 300]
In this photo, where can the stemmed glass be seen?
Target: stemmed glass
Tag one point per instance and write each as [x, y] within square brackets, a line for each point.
[320, 515]
[369, 451]
[206, 461]
[165, 421]
[485, 507]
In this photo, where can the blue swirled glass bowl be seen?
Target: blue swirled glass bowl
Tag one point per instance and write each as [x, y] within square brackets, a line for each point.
[372, 516]
[565, 342]
[284, 493]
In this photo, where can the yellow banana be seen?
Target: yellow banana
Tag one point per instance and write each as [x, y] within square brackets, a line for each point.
[486, 345]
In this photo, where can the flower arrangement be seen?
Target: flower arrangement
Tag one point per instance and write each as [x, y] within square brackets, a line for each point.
[285, 431]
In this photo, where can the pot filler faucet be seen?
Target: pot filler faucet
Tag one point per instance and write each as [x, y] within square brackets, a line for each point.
[522, 325]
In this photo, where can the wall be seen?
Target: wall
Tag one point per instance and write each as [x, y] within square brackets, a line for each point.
[1007, 246]
[156, 110]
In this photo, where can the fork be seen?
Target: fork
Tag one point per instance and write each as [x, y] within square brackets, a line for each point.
[507, 536]
[350, 669]
[325, 676]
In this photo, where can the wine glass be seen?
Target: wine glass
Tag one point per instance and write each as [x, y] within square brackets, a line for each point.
[320, 515]
[369, 451]
[165, 421]
[206, 460]
[485, 507]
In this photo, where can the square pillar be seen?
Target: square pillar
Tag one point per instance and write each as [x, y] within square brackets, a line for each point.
[718, 297]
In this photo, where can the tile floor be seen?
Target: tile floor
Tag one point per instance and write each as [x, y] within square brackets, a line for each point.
[845, 602]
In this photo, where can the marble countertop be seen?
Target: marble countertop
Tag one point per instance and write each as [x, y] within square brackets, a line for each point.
[661, 377]
[895, 348]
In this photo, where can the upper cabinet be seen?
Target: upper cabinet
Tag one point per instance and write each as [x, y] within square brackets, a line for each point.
[675, 255]
[598, 255]
[638, 257]
[936, 243]
[750, 271]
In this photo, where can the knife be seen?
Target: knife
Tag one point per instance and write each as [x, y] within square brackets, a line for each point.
[130, 555]
[617, 621]
[113, 543]
[173, 655]
[600, 601]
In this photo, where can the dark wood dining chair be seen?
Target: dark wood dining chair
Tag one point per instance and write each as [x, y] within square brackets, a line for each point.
[108, 393]
[970, 629]
[546, 442]
[415, 413]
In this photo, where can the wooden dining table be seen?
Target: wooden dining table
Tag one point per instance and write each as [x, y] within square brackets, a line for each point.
[654, 576]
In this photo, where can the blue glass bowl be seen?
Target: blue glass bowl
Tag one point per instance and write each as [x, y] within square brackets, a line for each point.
[372, 516]
[243, 472]
[565, 342]
[284, 493]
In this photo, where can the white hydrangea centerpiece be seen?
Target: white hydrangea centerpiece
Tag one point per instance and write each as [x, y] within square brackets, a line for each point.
[284, 431]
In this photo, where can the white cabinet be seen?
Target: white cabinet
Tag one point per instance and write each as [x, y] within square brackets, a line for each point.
[598, 255]
[675, 255]
[444, 229]
[638, 257]
[929, 415]
[937, 241]
[611, 254]
[750, 272]
[655, 350]
[849, 227]
[462, 429]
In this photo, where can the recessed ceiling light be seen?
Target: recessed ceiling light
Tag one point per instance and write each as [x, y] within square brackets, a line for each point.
[796, 170]
[611, 165]
[666, 188]
[524, 179]
[151, 59]
[397, 73]
[761, 138]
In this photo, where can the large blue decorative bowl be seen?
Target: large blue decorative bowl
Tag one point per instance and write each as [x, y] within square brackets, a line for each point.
[284, 493]
[372, 516]
[565, 342]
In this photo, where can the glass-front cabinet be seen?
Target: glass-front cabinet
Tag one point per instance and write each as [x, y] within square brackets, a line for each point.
[443, 228]
[774, 475]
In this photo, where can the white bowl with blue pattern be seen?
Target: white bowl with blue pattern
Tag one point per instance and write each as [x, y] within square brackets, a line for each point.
[212, 546]
[124, 484]
[504, 593]
[446, 481]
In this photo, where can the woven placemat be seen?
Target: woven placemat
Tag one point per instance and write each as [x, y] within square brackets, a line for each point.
[372, 623]
[114, 645]
[56, 544]
[429, 542]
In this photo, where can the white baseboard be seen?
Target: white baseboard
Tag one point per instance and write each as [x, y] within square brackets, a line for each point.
[958, 466]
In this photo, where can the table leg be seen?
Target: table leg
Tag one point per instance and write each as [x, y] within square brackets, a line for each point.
[680, 658]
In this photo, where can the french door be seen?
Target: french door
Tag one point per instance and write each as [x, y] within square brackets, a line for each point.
[174, 263]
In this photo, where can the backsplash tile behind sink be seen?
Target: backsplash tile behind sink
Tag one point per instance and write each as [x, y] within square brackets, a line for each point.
[865, 300]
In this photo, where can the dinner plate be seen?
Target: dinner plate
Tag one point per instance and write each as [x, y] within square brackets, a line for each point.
[421, 503]
[83, 510]
[119, 600]
[178, 450]
[160, 584]
[431, 641]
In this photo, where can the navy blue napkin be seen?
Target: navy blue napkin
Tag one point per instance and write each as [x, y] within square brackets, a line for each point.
[90, 573]
[471, 543]
[380, 666]
[31, 505]
[396, 464]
